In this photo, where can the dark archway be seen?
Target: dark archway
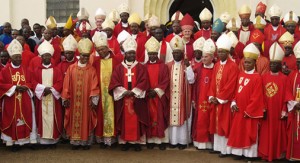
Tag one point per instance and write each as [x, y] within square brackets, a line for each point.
[193, 7]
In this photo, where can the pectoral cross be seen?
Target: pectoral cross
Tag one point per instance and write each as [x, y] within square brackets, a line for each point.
[204, 106]
[129, 76]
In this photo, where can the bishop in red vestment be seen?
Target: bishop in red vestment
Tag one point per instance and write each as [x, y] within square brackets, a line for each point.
[289, 61]
[105, 131]
[18, 113]
[123, 10]
[80, 97]
[273, 135]
[157, 97]
[247, 106]
[205, 18]
[128, 86]
[181, 79]
[47, 83]
[201, 121]
[108, 27]
[221, 93]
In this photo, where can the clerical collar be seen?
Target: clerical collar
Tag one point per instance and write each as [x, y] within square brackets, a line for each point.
[125, 25]
[12, 65]
[46, 66]
[206, 29]
[223, 63]
[245, 28]
[209, 66]
[129, 65]
[109, 38]
[50, 40]
[3, 65]
[81, 64]
[250, 72]
[177, 62]
[275, 28]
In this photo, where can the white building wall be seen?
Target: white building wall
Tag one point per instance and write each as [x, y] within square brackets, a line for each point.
[35, 10]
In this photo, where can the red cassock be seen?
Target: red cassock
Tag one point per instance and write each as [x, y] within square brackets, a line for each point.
[249, 100]
[2, 66]
[290, 62]
[271, 36]
[57, 85]
[118, 29]
[132, 114]
[113, 45]
[200, 129]
[18, 107]
[97, 65]
[272, 136]
[158, 106]
[170, 36]
[140, 50]
[293, 129]
[64, 65]
[203, 33]
[223, 85]
[57, 50]
[195, 64]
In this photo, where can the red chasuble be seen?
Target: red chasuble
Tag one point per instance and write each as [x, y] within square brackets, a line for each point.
[80, 84]
[203, 33]
[249, 100]
[57, 81]
[293, 129]
[100, 115]
[17, 109]
[132, 114]
[271, 36]
[118, 29]
[273, 136]
[158, 106]
[222, 86]
[200, 129]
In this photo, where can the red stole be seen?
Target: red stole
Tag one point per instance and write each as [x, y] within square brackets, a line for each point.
[203, 33]
[163, 51]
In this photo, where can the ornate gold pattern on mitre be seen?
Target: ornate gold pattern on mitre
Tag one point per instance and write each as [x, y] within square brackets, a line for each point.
[85, 46]
[152, 45]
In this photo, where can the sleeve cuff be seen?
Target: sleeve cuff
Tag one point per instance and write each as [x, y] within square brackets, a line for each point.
[139, 93]
[159, 92]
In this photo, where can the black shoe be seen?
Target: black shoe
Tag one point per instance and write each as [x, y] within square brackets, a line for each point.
[86, 147]
[162, 147]
[182, 147]
[52, 146]
[65, 141]
[172, 146]
[103, 146]
[137, 147]
[125, 147]
[213, 152]
[150, 146]
[15, 148]
[114, 146]
[238, 157]
[222, 155]
[75, 147]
